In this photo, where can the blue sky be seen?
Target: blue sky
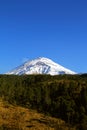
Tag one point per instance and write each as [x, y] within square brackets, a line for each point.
[56, 29]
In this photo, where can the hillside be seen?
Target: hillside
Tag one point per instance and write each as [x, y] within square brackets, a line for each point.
[63, 97]
[20, 118]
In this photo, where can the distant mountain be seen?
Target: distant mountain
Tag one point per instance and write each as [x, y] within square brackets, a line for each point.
[41, 65]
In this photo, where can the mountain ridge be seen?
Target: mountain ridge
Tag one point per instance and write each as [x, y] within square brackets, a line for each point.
[40, 65]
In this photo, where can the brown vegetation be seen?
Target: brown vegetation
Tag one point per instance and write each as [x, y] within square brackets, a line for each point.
[19, 118]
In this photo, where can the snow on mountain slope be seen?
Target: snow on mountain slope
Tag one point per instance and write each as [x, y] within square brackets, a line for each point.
[41, 65]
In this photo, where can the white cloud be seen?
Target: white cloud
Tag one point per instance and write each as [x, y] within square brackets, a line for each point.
[24, 59]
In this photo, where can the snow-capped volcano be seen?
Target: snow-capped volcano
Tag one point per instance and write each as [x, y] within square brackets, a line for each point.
[41, 65]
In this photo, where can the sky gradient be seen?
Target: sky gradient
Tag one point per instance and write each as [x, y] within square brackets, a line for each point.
[56, 29]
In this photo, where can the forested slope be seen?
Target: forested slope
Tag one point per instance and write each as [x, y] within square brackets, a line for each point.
[63, 96]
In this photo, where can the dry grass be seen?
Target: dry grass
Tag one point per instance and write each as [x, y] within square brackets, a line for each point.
[19, 118]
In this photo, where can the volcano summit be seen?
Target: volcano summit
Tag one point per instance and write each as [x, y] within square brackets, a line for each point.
[40, 65]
